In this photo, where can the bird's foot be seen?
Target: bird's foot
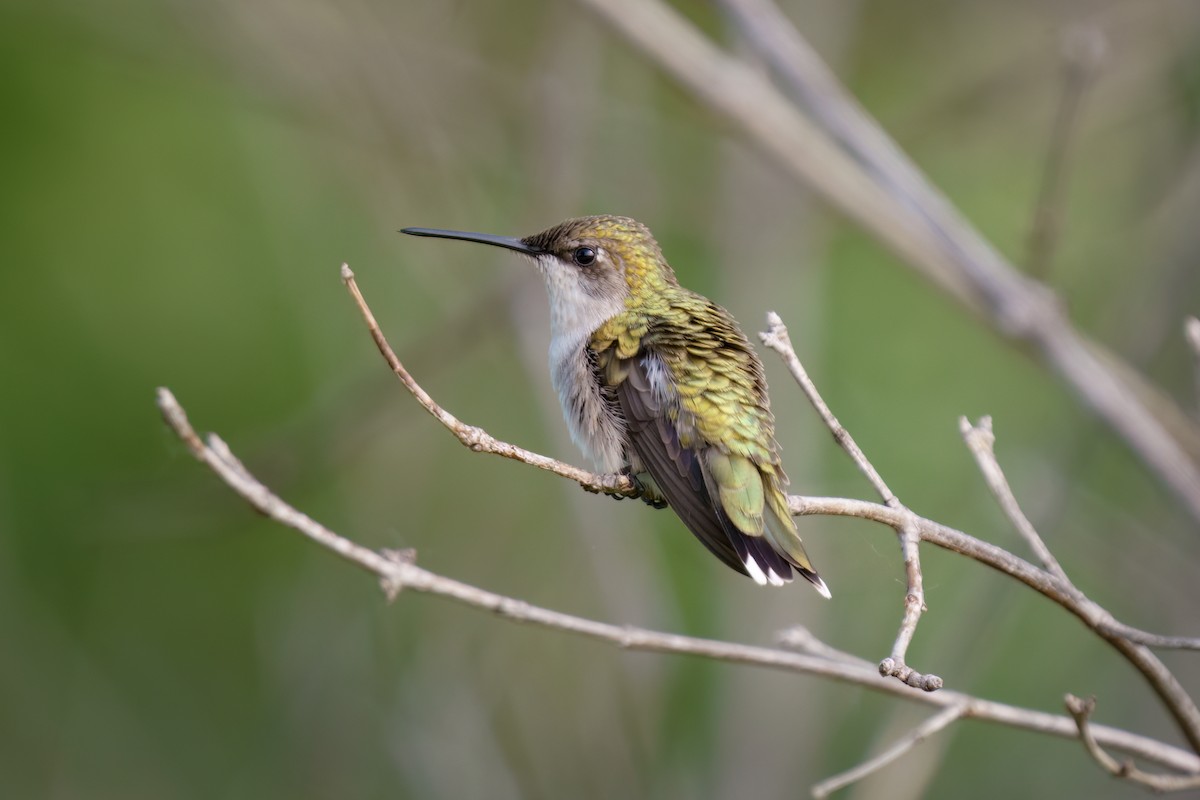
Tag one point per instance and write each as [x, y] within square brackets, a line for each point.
[646, 490]
[614, 485]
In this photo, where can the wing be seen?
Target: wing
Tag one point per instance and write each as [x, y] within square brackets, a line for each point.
[675, 469]
[693, 397]
[685, 476]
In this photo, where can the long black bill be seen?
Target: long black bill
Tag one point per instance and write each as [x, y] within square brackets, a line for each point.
[508, 242]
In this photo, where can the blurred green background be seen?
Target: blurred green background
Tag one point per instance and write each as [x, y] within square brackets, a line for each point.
[181, 181]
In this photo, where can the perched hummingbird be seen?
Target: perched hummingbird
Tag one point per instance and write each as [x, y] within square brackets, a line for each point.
[661, 383]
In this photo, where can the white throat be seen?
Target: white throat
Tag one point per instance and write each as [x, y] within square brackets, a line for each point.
[576, 313]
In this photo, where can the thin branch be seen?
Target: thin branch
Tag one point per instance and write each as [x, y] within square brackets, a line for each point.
[864, 174]
[798, 637]
[776, 337]
[997, 558]
[981, 442]
[1157, 640]
[914, 606]
[1083, 50]
[1177, 701]
[471, 436]
[398, 571]
[907, 742]
[1081, 711]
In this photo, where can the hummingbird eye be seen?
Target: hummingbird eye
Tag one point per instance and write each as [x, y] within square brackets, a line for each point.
[584, 256]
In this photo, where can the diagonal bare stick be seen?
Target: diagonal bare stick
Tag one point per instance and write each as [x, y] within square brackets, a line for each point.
[776, 337]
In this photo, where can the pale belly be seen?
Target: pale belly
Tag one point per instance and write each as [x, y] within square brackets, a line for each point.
[593, 426]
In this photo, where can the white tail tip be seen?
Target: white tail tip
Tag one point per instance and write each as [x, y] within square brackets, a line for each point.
[755, 571]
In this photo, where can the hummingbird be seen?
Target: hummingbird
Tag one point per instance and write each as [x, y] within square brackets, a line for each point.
[660, 383]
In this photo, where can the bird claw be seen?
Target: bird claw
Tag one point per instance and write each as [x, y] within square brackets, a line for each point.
[641, 491]
[612, 486]
[617, 492]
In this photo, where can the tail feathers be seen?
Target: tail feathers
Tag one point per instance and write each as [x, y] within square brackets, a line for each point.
[762, 563]
[780, 530]
[752, 510]
[767, 567]
[816, 581]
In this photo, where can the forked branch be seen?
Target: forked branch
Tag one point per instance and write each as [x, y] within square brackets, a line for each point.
[1081, 711]
[471, 436]
[776, 337]
[397, 571]
[911, 527]
[981, 441]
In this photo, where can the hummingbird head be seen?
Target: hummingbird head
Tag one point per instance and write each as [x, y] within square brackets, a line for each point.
[594, 267]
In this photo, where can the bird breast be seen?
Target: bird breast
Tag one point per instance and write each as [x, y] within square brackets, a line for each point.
[595, 426]
[577, 309]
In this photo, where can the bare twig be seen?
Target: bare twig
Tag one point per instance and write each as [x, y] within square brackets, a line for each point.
[1158, 640]
[1128, 641]
[981, 441]
[913, 738]
[398, 571]
[862, 172]
[1177, 701]
[1083, 50]
[473, 437]
[1081, 711]
[776, 337]
[914, 606]
[798, 637]
[997, 558]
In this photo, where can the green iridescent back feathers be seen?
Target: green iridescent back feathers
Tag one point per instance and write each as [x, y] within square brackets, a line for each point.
[714, 405]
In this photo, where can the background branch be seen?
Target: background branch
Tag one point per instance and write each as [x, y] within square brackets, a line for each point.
[862, 173]
[1083, 50]
[928, 728]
